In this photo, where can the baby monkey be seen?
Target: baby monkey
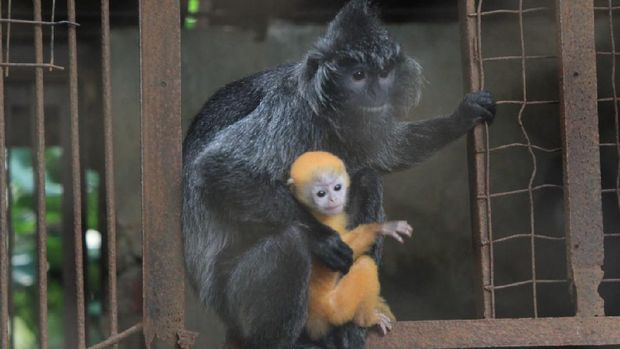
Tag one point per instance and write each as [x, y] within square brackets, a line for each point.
[320, 182]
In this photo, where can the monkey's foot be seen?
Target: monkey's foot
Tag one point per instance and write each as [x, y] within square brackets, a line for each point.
[384, 324]
[384, 308]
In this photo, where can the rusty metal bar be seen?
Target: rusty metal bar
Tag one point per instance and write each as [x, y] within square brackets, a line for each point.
[615, 97]
[4, 212]
[582, 178]
[164, 301]
[110, 202]
[8, 37]
[488, 333]
[479, 164]
[115, 339]
[32, 65]
[76, 178]
[25, 21]
[39, 171]
[52, 32]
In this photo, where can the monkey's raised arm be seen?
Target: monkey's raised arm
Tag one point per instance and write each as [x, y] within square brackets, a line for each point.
[415, 141]
[230, 188]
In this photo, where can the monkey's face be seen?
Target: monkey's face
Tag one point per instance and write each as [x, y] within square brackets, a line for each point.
[367, 89]
[328, 194]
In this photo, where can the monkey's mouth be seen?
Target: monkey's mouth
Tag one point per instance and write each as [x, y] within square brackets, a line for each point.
[333, 209]
[373, 109]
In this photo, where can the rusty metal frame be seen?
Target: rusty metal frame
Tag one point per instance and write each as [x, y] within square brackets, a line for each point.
[582, 176]
[160, 69]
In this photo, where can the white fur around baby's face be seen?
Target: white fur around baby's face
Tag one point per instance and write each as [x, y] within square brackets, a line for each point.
[329, 194]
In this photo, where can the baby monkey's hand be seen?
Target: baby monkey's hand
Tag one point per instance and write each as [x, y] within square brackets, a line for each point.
[397, 229]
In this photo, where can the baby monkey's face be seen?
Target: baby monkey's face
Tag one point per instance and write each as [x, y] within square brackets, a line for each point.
[329, 193]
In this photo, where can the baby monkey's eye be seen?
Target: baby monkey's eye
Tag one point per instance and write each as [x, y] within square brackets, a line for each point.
[321, 194]
[337, 187]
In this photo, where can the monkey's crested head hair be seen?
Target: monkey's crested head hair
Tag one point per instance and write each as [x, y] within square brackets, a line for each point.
[357, 34]
[309, 165]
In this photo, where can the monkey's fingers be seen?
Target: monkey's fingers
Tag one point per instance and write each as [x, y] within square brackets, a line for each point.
[404, 228]
[397, 229]
[394, 235]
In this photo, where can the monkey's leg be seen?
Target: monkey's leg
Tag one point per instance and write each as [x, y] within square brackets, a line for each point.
[267, 291]
[356, 294]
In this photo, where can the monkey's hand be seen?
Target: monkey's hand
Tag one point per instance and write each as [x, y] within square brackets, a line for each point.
[397, 229]
[478, 107]
[326, 245]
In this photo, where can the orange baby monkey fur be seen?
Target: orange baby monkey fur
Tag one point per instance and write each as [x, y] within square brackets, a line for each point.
[335, 299]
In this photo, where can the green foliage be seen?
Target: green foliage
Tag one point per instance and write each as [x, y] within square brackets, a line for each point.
[23, 223]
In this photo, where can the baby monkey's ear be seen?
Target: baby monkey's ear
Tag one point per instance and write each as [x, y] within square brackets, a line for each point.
[291, 183]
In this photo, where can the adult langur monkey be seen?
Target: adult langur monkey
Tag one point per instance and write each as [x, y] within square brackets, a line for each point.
[248, 243]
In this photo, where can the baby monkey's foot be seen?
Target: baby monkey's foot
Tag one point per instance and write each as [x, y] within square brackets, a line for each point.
[384, 323]
[397, 229]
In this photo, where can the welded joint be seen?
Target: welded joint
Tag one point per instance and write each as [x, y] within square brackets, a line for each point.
[186, 338]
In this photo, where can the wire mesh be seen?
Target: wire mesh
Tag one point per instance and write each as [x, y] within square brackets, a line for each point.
[607, 53]
[522, 242]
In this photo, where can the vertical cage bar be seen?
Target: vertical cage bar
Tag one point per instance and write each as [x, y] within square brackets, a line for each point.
[478, 163]
[160, 72]
[39, 170]
[75, 178]
[582, 178]
[615, 97]
[110, 202]
[4, 225]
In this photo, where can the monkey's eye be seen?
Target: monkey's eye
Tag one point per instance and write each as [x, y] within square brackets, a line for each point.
[385, 72]
[338, 187]
[321, 194]
[359, 75]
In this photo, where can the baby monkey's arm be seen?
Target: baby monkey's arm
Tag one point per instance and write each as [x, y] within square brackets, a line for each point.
[363, 236]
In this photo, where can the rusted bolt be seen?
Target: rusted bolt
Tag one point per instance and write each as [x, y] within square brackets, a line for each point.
[163, 83]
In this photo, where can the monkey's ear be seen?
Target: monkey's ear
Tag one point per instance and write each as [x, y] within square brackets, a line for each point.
[290, 182]
[312, 78]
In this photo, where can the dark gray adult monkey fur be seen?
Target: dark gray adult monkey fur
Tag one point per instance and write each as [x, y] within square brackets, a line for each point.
[248, 243]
